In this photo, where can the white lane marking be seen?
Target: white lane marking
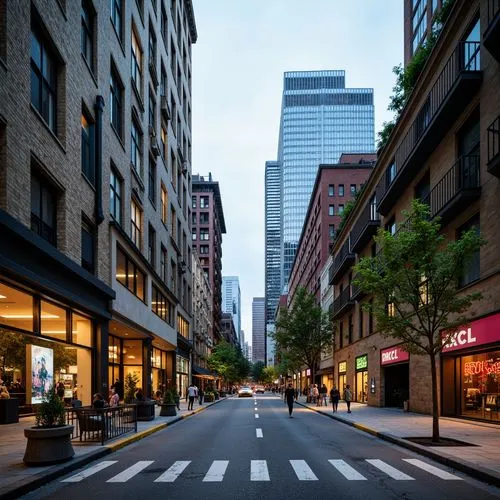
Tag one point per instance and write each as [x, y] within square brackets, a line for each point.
[171, 474]
[259, 433]
[256, 409]
[436, 471]
[389, 470]
[130, 472]
[347, 471]
[258, 470]
[89, 472]
[256, 415]
[303, 471]
[216, 471]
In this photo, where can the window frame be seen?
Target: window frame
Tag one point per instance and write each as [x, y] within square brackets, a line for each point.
[115, 198]
[136, 223]
[116, 101]
[45, 231]
[88, 144]
[87, 35]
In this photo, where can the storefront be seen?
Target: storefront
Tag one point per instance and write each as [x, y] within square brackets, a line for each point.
[361, 393]
[342, 376]
[471, 371]
[182, 374]
[395, 363]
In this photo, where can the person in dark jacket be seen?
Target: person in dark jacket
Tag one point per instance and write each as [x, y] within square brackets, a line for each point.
[334, 397]
[289, 397]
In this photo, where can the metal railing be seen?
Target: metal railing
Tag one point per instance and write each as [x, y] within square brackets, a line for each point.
[494, 138]
[367, 215]
[465, 57]
[344, 252]
[101, 424]
[342, 300]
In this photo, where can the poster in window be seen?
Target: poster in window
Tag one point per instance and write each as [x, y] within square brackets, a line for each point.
[41, 364]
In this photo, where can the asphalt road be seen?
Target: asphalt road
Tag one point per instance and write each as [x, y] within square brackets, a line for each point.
[226, 452]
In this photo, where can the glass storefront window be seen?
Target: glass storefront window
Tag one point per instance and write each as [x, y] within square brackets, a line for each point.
[53, 321]
[481, 385]
[132, 352]
[81, 330]
[16, 308]
[362, 387]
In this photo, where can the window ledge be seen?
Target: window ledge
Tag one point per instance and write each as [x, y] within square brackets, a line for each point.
[89, 182]
[137, 94]
[90, 70]
[51, 132]
[120, 140]
[118, 37]
[136, 176]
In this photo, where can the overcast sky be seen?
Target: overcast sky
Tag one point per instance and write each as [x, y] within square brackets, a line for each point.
[243, 49]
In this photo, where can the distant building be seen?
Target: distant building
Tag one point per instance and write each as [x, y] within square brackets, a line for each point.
[227, 329]
[231, 300]
[258, 329]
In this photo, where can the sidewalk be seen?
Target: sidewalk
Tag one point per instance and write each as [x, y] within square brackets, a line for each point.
[17, 479]
[481, 461]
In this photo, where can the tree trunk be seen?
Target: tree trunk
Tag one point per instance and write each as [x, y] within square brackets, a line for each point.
[435, 407]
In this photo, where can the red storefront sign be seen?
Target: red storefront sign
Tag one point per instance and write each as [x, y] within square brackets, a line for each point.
[476, 333]
[393, 355]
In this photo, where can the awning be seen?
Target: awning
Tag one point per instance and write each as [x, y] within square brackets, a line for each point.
[198, 371]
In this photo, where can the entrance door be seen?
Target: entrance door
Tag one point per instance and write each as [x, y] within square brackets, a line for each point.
[361, 387]
[341, 385]
[397, 384]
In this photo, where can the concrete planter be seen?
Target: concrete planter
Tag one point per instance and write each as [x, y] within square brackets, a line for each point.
[48, 445]
[168, 410]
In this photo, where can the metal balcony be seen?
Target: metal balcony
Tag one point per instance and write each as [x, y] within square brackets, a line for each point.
[356, 292]
[342, 261]
[456, 84]
[494, 147]
[458, 188]
[365, 228]
[342, 303]
[491, 36]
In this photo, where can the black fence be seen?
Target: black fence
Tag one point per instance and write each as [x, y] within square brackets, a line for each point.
[101, 424]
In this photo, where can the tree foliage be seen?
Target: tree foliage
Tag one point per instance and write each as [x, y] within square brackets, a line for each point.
[414, 282]
[269, 375]
[257, 369]
[303, 331]
[228, 362]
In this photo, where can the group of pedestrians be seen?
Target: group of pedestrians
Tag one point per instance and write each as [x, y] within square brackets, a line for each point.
[193, 392]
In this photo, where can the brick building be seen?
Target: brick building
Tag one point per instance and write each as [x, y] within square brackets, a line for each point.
[445, 150]
[95, 178]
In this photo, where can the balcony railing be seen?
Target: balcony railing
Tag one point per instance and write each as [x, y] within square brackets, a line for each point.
[342, 261]
[491, 36]
[494, 147]
[342, 303]
[457, 82]
[366, 226]
[356, 291]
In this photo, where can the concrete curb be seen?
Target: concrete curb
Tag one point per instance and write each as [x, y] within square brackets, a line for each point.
[27, 485]
[473, 470]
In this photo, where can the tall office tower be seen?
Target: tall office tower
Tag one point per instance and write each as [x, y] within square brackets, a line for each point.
[208, 226]
[320, 120]
[231, 300]
[258, 329]
[273, 220]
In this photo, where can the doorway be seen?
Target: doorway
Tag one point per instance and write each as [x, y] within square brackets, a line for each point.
[397, 384]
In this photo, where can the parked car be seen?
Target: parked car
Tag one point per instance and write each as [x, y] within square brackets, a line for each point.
[245, 392]
[259, 389]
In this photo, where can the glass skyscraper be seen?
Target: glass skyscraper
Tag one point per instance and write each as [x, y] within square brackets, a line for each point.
[231, 301]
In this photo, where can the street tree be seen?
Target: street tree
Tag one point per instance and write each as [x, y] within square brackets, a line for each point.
[257, 369]
[228, 362]
[269, 375]
[303, 331]
[415, 284]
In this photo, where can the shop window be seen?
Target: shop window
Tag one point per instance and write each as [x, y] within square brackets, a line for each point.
[132, 352]
[81, 330]
[16, 308]
[129, 275]
[53, 321]
[43, 209]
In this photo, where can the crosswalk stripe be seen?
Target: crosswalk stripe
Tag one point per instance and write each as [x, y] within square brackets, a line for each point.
[171, 474]
[258, 432]
[258, 470]
[432, 470]
[256, 415]
[216, 471]
[130, 472]
[347, 471]
[89, 472]
[389, 470]
[256, 409]
[303, 471]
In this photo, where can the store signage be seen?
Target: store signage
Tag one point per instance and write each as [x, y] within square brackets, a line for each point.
[482, 367]
[362, 362]
[392, 355]
[342, 366]
[480, 332]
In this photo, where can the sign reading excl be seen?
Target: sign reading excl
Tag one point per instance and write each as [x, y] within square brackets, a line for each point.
[362, 362]
[342, 366]
[479, 332]
[393, 355]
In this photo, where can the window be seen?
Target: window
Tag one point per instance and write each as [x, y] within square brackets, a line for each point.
[116, 16]
[353, 189]
[193, 218]
[129, 275]
[182, 326]
[331, 210]
[391, 226]
[116, 101]
[164, 26]
[204, 250]
[151, 245]
[43, 209]
[164, 204]
[152, 45]
[391, 172]
[424, 290]
[204, 218]
[351, 328]
[160, 305]
[193, 235]
[331, 231]
[136, 147]
[204, 235]
[391, 309]
[163, 138]
[203, 201]
[152, 181]
[471, 270]
[173, 276]
[419, 24]
[360, 322]
[88, 247]
[163, 264]
[173, 225]
[341, 190]
[341, 209]
[370, 318]
[193, 201]
[88, 33]
[331, 190]
[115, 196]
[135, 223]
[341, 334]
[173, 170]
[43, 80]
[88, 166]
[136, 63]
[151, 111]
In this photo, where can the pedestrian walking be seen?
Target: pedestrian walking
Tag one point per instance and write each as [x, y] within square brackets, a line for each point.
[289, 396]
[334, 397]
[348, 397]
[323, 393]
[201, 394]
[191, 393]
[315, 394]
[296, 394]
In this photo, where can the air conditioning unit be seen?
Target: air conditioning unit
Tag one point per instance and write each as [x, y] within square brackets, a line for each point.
[155, 149]
[164, 107]
[152, 132]
[184, 167]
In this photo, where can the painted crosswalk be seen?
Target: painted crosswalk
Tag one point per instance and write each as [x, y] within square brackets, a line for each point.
[111, 471]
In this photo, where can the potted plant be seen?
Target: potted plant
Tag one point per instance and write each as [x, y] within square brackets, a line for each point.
[131, 381]
[168, 404]
[49, 441]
